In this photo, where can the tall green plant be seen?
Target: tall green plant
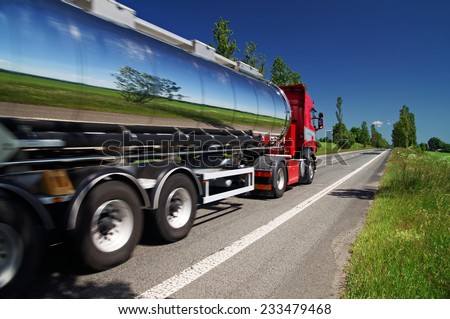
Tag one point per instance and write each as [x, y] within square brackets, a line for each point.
[365, 135]
[224, 45]
[341, 135]
[253, 58]
[404, 131]
[281, 74]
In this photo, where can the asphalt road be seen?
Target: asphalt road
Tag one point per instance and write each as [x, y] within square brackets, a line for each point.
[244, 247]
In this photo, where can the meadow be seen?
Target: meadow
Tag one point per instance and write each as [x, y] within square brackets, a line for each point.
[404, 249]
[440, 156]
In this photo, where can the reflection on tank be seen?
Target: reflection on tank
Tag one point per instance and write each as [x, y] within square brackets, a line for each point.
[58, 62]
[140, 87]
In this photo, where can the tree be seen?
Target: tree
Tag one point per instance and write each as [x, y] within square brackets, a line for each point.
[253, 58]
[281, 74]
[423, 147]
[413, 130]
[377, 139]
[222, 38]
[365, 135]
[404, 131]
[356, 133]
[435, 144]
[375, 136]
[341, 136]
[278, 72]
[325, 139]
[294, 78]
[399, 135]
[339, 114]
[139, 87]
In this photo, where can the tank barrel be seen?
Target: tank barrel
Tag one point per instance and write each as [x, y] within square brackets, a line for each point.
[105, 65]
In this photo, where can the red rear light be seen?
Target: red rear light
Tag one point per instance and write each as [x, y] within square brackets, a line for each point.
[263, 174]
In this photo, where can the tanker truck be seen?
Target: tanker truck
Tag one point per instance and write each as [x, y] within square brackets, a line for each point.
[106, 119]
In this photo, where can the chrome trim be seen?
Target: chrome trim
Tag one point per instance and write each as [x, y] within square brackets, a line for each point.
[147, 183]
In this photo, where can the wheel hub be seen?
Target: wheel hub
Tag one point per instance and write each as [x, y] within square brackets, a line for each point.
[11, 253]
[112, 225]
[280, 179]
[178, 207]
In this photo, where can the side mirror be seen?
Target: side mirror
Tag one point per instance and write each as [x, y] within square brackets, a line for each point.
[320, 121]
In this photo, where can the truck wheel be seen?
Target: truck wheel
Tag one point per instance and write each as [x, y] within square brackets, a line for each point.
[279, 180]
[309, 171]
[109, 225]
[176, 208]
[21, 246]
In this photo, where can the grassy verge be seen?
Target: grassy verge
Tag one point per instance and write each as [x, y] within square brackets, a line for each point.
[404, 250]
[330, 148]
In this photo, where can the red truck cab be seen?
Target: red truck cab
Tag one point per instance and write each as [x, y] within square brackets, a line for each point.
[304, 123]
[294, 160]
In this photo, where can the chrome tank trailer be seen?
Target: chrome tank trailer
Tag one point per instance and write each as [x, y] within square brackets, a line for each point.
[58, 61]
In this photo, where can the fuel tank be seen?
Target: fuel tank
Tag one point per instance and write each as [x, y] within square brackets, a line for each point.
[58, 61]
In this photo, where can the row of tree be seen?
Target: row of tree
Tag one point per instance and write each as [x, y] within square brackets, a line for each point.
[280, 72]
[404, 134]
[345, 138]
[404, 130]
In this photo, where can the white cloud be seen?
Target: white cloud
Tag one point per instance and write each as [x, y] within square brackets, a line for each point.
[75, 32]
[377, 123]
[5, 64]
[132, 49]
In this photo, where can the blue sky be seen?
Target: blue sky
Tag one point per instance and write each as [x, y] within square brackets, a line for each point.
[377, 55]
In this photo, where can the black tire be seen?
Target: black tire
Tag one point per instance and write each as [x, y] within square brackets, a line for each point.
[310, 170]
[176, 208]
[21, 246]
[279, 180]
[109, 225]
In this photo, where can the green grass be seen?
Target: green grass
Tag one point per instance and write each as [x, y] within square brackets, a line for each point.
[25, 89]
[404, 249]
[439, 156]
[33, 90]
[330, 148]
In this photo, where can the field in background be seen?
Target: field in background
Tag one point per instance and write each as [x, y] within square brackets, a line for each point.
[439, 156]
[404, 249]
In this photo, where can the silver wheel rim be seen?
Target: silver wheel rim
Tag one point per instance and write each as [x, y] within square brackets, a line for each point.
[280, 178]
[11, 253]
[112, 225]
[311, 171]
[178, 207]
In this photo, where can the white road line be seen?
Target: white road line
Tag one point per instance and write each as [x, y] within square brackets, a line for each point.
[177, 282]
